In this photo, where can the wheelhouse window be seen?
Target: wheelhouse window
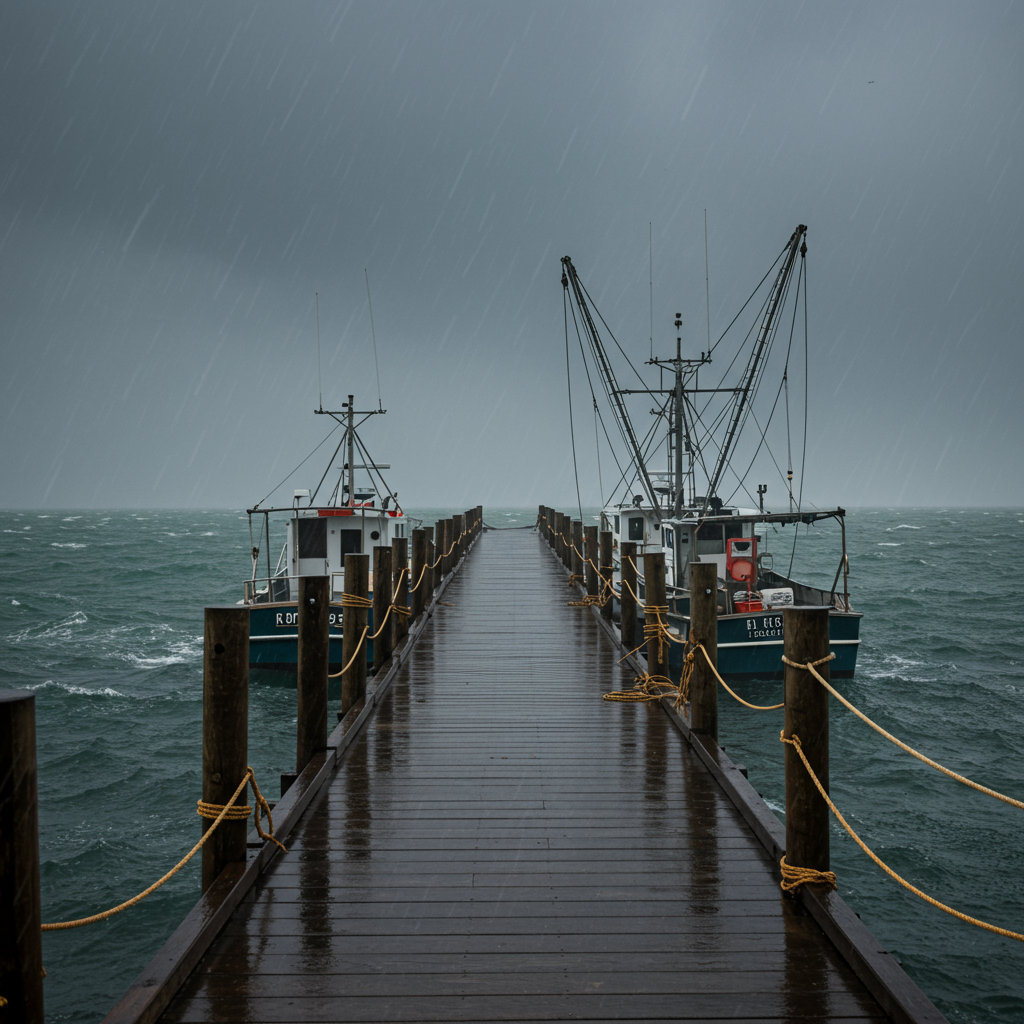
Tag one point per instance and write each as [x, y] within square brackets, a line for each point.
[312, 538]
[670, 540]
[616, 524]
[636, 528]
[709, 539]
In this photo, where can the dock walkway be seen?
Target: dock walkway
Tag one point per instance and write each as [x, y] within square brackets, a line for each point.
[499, 844]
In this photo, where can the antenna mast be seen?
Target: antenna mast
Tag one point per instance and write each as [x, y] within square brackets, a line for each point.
[319, 379]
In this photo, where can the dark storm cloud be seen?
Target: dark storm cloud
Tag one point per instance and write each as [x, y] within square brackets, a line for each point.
[178, 180]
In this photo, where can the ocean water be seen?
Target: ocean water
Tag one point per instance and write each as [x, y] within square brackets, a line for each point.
[101, 616]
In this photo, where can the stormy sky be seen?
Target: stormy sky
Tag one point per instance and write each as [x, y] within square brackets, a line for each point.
[180, 181]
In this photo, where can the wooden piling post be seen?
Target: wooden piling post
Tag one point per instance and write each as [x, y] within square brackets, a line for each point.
[354, 619]
[313, 666]
[400, 561]
[446, 549]
[419, 575]
[21, 947]
[430, 576]
[627, 600]
[556, 533]
[704, 628]
[606, 575]
[654, 591]
[805, 638]
[225, 731]
[383, 644]
[479, 519]
[576, 561]
[593, 559]
[460, 538]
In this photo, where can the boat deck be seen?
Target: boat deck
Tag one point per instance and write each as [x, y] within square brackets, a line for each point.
[502, 845]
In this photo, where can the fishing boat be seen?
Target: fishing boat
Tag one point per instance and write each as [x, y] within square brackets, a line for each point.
[679, 513]
[350, 518]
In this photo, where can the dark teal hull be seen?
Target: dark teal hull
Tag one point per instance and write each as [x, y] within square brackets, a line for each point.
[274, 637]
[750, 646]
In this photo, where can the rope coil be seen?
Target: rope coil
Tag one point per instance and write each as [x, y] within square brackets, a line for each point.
[794, 877]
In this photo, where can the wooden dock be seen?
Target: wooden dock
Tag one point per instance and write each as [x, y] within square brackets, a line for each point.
[499, 844]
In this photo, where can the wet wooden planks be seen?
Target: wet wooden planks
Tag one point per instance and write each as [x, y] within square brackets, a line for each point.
[502, 845]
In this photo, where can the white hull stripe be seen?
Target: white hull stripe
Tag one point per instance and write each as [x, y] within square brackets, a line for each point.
[779, 643]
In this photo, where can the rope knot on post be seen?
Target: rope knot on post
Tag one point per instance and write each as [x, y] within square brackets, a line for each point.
[231, 811]
[793, 877]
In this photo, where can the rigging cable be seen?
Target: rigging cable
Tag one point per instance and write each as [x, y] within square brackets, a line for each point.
[299, 466]
[597, 446]
[568, 384]
[750, 411]
[593, 398]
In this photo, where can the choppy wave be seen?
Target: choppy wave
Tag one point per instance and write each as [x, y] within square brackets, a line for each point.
[80, 691]
[67, 544]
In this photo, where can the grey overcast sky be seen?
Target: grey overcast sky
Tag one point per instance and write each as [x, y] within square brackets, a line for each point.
[178, 180]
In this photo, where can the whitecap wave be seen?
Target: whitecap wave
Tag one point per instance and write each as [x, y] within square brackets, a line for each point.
[70, 519]
[15, 602]
[68, 544]
[889, 544]
[902, 526]
[78, 691]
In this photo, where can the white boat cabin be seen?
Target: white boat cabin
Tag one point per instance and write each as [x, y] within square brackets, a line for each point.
[731, 546]
[317, 540]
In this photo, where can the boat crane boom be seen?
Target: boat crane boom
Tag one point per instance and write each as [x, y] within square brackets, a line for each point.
[611, 386]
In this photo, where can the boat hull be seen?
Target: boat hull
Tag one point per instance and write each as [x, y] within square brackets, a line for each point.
[750, 645]
[274, 637]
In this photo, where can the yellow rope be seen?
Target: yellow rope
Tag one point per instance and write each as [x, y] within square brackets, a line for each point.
[224, 812]
[753, 707]
[793, 877]
[355, 653]
[794, 741]
[574, 578]
[355, 601]
[646, 687]
[899, 743]
[205, 810]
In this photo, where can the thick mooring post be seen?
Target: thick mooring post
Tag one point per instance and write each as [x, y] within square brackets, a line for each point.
[627, 601]
[606, 575]
[576, 562]
[566, 541]
[21, 948]
[446, 548]
[354, 619]
[556, 534]
[400, 561]
[654, 590]
[460, 538]
[314, 655]
[593, 558]
[704, 629]
[479, 519]
[430, 576]
[383, 644]
[805, 638]
[419, 559]
[225, 731]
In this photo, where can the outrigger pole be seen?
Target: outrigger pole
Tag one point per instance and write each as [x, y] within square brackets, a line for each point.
[610, 384]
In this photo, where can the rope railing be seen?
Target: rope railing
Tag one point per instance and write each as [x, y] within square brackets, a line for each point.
[794, 741]
[217, 812]
[811, 667]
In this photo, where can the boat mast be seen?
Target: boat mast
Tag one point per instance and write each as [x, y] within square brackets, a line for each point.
[351, 430]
